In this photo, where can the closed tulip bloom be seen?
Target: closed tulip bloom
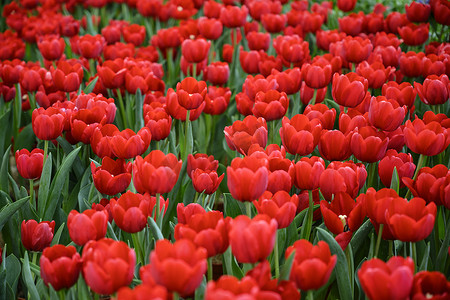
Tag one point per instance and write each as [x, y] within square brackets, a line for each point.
[390, 280]
[288, 81]
[60, 266]
[37, 236]
[130, 212]
[191, 93]
[414, 35]
[316, 75]
[299, 135]
[346, 5]
[179, 266]
[208, 230]
[417, 12]
[280, 174]
[386, 114]
[67, 77]
[112, 73]
[88, 225]
[127, 144]
[211, 29]
[206, 181]
[368, 144]
[307, 172]
[233, 16]
[29, 164]
[349, 90]
[273, 23]
[430, 284]
[342, 177]
[434, 90]
[142, 291]
[51, 46]
[429, 183]
[249, 61]
[195, 51]
[352, 24]
[90, 46]
[247, 178]
[242, 134]
[156, 173]
[411, 63]
[321, 113]
[403, 162]
[111, 177]
[335, 145]
[279, 206]
[174, 108]
[47, 123]
[292, 49]
[217, 73]
[252, 240]
[201, 161]
[31, 79]
[258, 40]
[157, 120]
[134, 34]
[427, 139]
[271, 105]
[375, 73]
[411, 221]
[312, 265]
[100, 140]
[441, 12]
[108, 265]
[403, 93]
[217, 100]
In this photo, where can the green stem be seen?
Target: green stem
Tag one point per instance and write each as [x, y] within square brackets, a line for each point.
[422, 162]
[194, 70]
[157, 207]
[273, 128]
[380, 233]
[248, 209]
[276, 256]
[169, 57]
[62, 294]
[45, 152]
[31, 192]
[372, 174]
[175, 296]
[391, 249]
[196, 197]
[313, 100]
[137, 247]
[414, 252]
[210, 269]
[307, 230]
[32, 100]
[310, 295]
[122, 109]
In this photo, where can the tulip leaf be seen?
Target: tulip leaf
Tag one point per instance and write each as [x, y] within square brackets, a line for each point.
[83, 291]
[155, 229]
[110, 232]
[58, 183]
[341, 269]
[3, 285]
[25, 138]
[200, 291]
[360, 235]
[90, 87]
[442, 256]
[67, 147]
[28, 278]
[138, 110]
[4, 170]
[57, 235]
[395, 181]
[426, 256]
[7, 211]
[231, 265]
[231, 206]
[44, 185]
[5, 122]
[285, 271]
[13, 274]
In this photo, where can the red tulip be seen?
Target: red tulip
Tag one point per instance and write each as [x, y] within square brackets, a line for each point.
[403, 93]
[206, 181]
[288, 81]
[325, 38]
[271, 105]
[47, 123]
[191, 93]
[108, 265]
[157, 173]
[292, 49]
[427, 139]
[51, 46]
[342, 177]
[112, 73]
[142, 291]
[273, 23]
[317, 75]
[37, 236]
[112, 177]
[210, 28]
[414, 35]
[233, 16]
[368, 144]
[157, 120]
[258, 40]
[352, 24]
[201, 161]
[307, 94]
[403, 162]
[346, 5]
[67, 77]
[441, 12]
[375, 73]
[307, 172]
[411, 63]
[177, 111]
[127, 144]
[130, 211]
[434, 90]
[29, 164]
[312, 265]
[334, 145]
[195, 51]
[134, 34]
[252, 240]
[429, 284]
[31, 79]
[417, 12]
[391, 280]
[349, 90]
[217, 73]
[299, 135]
[356, 49]
[88, 225]
[249, 61]
[179, 266]
[242, 134]
[279, 206]
[90, 46]
[322, 114]
[217, 100]
[247, 178]
[60, 266]
[206, 229]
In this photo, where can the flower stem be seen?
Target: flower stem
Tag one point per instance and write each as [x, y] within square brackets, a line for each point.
[414, 253]
[313, 100]
[306, 231]
[157, 207]
[380, 233]
[310, 295]
[422, 161]
[137, 247]
[31, 192]
[210, 269]
[276, 256]
[122, 109]
[45, 152]
[248, 209]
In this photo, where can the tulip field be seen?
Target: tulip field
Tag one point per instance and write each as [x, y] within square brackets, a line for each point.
[225, 149]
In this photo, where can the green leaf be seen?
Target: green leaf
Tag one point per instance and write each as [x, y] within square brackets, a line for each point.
[426, 256]
[14, 268]
[155, 229]
[7, 211]
[67, 148]
[442, 256]
[26, 138]
[395, 181]
[231, 265]
[138, 111]
[110, 232]
[360, 236]
[28, 279]
[3, 285]
[231, 206]
[5, 137]
[57, 235]
[91, 85]
[58, 183]
[200, 291]
[44, 185]
[285, 272]
[341, 269]
[4, 170]
[83, 291]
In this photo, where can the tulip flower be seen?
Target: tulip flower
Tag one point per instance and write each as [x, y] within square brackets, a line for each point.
[157, 120]
[312, 265]
[414, 35]
[111, 177]
[335, 145]
[242, 134]
[317, 75]
[217, 100]
[427, 139]
[391, 280]
[51, 46]
[142, 291]
[252, 240]
[417, 12]
[130, 211]
[29, 164]
[322, 113]
[37, 236]
[60, 266]
[134, 34]
[108, 265]
[88, 225]
[403, 162]
[271, 105]
[233, 16]
[90, 46]
[288, 81]
[307, 172]
[349, 90]
[279, 206]
[427, 283]
[434, 90]
[403, 93]
[47, 123]
[299, 135]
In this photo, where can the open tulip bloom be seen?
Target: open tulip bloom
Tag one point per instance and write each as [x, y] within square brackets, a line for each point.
[203, 149]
